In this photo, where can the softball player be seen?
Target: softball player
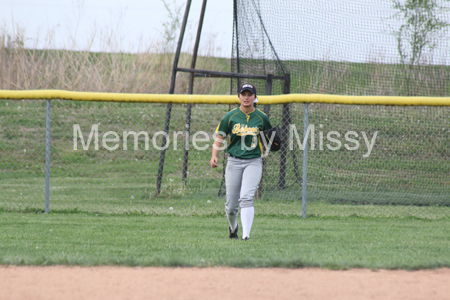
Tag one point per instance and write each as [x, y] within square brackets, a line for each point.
[244, 166]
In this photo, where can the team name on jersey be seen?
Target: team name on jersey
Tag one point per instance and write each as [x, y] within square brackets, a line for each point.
[244, 130]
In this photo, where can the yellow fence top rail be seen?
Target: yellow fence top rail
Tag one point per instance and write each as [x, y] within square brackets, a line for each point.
[222, 99]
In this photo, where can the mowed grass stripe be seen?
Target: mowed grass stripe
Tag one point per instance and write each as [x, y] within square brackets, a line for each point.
[138, 240]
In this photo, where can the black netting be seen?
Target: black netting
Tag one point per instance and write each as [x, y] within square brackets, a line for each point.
[352, 48]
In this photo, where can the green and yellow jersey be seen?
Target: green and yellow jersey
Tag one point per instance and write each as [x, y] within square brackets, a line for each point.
[243, 132]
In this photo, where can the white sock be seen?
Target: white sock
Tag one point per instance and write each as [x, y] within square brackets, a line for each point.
[247, 214]
[232, 219]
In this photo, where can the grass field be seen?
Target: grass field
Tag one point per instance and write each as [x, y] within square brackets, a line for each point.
[138, 240]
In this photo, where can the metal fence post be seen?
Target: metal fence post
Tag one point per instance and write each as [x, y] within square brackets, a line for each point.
[47, 158]
[285, 124]
[305, 161]
[162, 156]
[269, 82]
[190, 92]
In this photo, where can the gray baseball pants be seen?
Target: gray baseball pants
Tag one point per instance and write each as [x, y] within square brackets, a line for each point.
[242, 178]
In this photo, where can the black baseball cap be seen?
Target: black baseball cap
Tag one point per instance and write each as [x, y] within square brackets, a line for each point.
[247, 87]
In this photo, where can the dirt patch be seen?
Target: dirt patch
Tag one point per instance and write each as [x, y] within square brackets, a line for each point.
[61, 282]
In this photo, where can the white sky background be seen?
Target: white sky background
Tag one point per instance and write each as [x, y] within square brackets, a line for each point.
[350, 30]
[134, 23]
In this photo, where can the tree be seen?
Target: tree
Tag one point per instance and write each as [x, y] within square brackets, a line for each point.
[172, 25]
[421, 28]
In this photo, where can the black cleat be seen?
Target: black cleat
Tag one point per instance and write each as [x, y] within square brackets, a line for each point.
[246, 238]
[234, 235]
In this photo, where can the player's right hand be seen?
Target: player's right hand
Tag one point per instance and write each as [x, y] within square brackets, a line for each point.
[213, 162]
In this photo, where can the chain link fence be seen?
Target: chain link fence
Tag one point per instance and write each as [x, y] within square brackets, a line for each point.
[375, 161]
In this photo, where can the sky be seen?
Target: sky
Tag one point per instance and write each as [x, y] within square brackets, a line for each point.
[135, 23]
[349, 30]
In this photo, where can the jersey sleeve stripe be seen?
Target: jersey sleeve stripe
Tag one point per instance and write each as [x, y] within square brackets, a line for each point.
[262, 121]
[229, 120]
[261, 111]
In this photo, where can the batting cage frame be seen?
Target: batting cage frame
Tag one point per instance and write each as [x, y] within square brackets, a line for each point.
[268, 78]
